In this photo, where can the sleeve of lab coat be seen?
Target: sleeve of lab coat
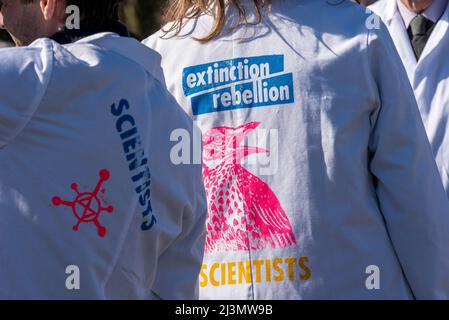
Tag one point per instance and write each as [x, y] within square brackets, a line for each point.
[408, 186]
[179, 192]
[164, 261]
[24, 76]
[179, 265]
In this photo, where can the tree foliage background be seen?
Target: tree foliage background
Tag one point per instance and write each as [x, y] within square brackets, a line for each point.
[143, 17]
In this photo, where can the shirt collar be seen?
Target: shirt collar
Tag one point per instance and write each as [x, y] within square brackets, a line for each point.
[433, 13]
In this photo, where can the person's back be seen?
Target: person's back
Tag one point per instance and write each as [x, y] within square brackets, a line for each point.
[349, 186]
[88, 192]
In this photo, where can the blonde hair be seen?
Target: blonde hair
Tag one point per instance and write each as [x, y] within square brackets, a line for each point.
[178, 11]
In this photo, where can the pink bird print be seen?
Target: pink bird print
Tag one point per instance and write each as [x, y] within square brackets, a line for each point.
[243, 212]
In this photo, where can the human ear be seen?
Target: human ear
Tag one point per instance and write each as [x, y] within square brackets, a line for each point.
[48, 8]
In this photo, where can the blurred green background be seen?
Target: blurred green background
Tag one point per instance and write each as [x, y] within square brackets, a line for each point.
[143, 17]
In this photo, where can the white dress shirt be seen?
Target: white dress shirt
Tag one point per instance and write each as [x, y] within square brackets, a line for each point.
[433, 13]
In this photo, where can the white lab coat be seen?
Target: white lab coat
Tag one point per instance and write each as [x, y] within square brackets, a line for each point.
[429, 78]
[87, 188]
[351, 190]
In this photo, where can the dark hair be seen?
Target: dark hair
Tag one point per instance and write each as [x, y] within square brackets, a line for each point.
[94, 12]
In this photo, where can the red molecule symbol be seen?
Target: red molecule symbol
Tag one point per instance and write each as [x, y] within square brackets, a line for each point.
[87, 206]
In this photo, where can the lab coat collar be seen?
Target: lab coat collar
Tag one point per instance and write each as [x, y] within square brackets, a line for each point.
[66, 36]
[149, 59]
[391, 10]
[438, 34]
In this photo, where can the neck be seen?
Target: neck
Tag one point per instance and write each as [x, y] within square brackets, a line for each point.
[66, 36]
[417, 6]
